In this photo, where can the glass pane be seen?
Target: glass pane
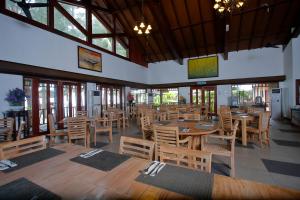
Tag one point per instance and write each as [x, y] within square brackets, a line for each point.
[121, 50]
[53, 100]
[97, 26]
[78, 13]
[199, 96]
[83, 96]
[114, 97]
[108, 98]
[212, 101]
[74, 100]
[43, 106]
[170, 96]
[105, 43]
[66, 100]
[39, 14]
[61, 23]
[28, 93]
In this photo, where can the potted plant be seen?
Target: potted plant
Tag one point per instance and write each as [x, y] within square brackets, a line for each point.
[16, 98]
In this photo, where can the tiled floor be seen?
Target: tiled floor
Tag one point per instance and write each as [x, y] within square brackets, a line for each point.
[248, 160]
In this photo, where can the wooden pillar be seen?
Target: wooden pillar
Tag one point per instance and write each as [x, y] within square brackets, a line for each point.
[60, 104]
[35, 107]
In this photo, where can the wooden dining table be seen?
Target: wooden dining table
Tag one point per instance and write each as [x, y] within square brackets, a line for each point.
[243, 118]
[72, 180]
[196, 129]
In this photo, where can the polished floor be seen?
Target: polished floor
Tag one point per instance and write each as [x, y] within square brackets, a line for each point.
[249, 160]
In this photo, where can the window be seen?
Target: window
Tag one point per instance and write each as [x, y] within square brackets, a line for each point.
[97, 26]
[39, 14]
[170, 96]
[140, 96]
[63, 24]
[121, 50]
[78, 13]
[105, 43]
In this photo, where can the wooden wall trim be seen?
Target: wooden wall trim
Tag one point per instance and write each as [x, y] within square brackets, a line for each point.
[297, 92]
[36, 71]
[267, 79]
[30, 70]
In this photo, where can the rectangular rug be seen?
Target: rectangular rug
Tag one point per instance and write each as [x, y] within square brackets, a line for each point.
[287, 143]
[104, 160]
[184, 181]
[24, 189]
[279, 167]
[32, 158]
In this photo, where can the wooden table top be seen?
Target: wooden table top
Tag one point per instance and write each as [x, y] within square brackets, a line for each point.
[71, 180]
[191, 124]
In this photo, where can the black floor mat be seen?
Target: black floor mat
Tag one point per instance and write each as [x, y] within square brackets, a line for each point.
[287, 143]
[279, 167]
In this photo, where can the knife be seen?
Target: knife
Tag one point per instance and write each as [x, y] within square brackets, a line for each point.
[152, 168]
[90, 155]
[154, 172]
[147, 168]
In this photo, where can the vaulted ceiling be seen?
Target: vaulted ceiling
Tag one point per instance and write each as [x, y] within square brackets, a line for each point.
[191, 28]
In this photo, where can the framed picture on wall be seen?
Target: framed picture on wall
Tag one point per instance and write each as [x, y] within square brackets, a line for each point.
[88, 59]
[203, 67]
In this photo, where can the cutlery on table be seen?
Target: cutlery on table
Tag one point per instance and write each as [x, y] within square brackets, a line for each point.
[157, 169]
[88, 153]
[152, 168]
[96, 152]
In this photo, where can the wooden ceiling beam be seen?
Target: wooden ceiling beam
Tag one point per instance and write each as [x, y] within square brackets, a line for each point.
[167, 34]
[192, 28]
[215, 21]
[239, 32]
[177, 22]
[156, 42]
[258, 2]
[267, 25]
[129, 29]
[133, 16]
[70, 18]
[287, 12]
[202, 27]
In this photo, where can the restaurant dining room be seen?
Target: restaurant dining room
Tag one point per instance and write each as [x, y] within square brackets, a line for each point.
[149, 99]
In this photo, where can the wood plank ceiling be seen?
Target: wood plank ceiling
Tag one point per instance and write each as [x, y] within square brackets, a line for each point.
[191, 28]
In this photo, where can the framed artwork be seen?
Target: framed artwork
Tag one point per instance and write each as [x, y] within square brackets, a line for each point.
[88, 59]
[203, 67]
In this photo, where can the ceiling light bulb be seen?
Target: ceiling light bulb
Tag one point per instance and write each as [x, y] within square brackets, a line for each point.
[241, 3]
[147, 31]
[142, 25]
[221, 9]
[218, 1]
[136, 28]
[216, 6]
[140, 32]
[149, 27]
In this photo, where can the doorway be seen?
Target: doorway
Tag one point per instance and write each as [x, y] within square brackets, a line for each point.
[205, 95]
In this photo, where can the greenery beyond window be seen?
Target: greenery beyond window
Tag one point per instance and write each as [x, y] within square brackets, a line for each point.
[121, 50]
[165, 96]
[63, 24]
[105, 43]
[38, 14]
[78, 13]
[98, 27]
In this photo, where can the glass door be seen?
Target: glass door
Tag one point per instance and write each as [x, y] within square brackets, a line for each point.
[205, 96]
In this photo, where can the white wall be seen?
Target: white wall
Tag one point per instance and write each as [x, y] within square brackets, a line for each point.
[23, 43]
[223, 95]
[242, 64]
[8, 82]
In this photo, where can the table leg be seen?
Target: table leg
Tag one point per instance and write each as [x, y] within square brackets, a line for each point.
[244, 132]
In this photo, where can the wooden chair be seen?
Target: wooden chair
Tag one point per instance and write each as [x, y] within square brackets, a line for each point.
[169, 135]
[262, 129]
[14, 149]
[226, 150]
[191, 116]
[81, 113]
[183, 157]
[102, 125]
[77, 129]
[136, 147]
[173, 115]
[7, 123]
[114, 118]
[124, 120]
[162, 116]
[226, 122]
[147, 128]
[52, 130]
[224, 109]
[21, 129]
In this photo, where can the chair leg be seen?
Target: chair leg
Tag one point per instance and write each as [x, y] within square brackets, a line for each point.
[232, 166]
[110, 135]
[260, 139]
[95, 138]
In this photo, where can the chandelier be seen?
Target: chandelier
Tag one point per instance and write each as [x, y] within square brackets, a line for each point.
[228, 5]
[142, 27]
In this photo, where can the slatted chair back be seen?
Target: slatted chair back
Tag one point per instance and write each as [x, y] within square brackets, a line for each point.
[82, 113]
[21, 129]
[224, 108]
[165, 135]
[194, 159]
[264, 121]
[7, 123]
[162, 116]
[77, 128]
[14, 149]
[51, 123]
[233, 136]
[172, 115]
[192, 116]
[226, 119]
[136, 147]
